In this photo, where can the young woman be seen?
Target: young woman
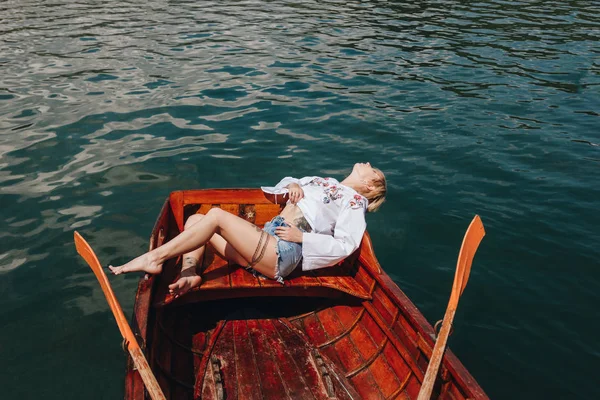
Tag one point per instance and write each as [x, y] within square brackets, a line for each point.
[322, 223]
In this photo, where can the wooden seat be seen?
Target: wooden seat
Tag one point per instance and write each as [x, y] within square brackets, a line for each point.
[221, 279]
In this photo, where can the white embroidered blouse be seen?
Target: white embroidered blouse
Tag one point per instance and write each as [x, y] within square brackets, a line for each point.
[336, 214]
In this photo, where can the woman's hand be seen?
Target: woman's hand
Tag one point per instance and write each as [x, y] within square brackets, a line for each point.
[295, 192]
[289, 233]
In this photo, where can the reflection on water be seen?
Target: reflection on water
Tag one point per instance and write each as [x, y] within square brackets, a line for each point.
[487, 107]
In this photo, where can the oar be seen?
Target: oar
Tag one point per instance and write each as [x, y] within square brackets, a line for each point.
[473, 237]
[85, 251]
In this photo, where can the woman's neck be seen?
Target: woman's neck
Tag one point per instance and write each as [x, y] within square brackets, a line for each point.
[353, 183]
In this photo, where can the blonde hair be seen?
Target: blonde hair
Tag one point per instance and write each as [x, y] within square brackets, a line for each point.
[376, 196]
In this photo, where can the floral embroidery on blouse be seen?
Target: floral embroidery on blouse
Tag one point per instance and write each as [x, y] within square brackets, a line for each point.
[320, 182]
[357, 202]
[331, 191]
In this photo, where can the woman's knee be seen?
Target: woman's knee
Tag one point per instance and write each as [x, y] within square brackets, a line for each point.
[193, 219]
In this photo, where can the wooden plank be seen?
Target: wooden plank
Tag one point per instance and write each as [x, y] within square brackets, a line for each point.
[241, 278]
[299, 278]
[231, 208]
[201, 367]
[291, 374]
[176, 202]
[363, 278]
[204, 208]
[224, 350]
[353, 288]
[384, 376]
[370, 352]
[374, 330]
[299, 351]
[366, 386]
[413, 387]
[367, 254]
[346, 314]
[408, 358]
[347, 352]
[265, 212]
[219, 196]
[248, 379]
[313, 328]
[270, 377]
[199, 342]
[216, 271]
[382, 304]
[395, 361]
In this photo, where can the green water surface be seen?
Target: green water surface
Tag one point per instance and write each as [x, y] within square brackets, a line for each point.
[488, 108]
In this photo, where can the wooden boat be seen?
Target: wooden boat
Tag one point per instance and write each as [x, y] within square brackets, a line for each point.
[346, 332]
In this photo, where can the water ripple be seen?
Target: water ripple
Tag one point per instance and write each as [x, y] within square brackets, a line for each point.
[489, 107]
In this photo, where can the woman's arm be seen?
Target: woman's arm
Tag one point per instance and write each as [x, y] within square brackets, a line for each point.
[282, 186]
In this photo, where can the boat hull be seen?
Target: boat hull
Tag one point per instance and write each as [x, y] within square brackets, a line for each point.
[342, 332]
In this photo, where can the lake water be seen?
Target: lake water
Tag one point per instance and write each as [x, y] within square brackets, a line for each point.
[488, 108]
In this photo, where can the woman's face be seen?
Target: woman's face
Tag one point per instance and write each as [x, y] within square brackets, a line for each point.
[365, 172]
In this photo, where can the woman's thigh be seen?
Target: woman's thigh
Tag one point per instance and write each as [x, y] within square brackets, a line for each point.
[244, 237]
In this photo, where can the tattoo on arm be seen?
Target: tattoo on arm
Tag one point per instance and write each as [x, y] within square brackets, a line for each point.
[302, 224]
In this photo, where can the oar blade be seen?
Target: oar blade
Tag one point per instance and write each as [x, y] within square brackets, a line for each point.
[470, 244]
[87, 253]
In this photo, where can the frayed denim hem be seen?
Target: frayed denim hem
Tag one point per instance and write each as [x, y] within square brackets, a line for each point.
[278, 276]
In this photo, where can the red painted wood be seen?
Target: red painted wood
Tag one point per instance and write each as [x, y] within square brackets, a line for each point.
[268, 370]
[371, 326]
[224, 350]
[366, 386]
[408, 358]
[383, 306]
[265, 212]
[176, 202]
[303, 360]
[221, 196]
[384, 376]
[364, 278]
[395, 361]
[248, 380]
[291, 375]
[216, 271]
[346, 314]
[413, 387]
[240, 278]
[200, 367]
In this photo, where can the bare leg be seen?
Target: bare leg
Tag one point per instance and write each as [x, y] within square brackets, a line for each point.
[188, 278]
[237, 232]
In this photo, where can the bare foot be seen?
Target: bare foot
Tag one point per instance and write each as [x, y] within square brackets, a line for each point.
[145, 263]
[188, 280]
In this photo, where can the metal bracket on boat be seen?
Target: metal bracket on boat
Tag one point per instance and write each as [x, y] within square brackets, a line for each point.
[216, 368]
[438, 326]
[125, 345]
[324, 372]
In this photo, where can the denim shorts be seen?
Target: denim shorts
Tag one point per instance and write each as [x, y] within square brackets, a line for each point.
[289, 254]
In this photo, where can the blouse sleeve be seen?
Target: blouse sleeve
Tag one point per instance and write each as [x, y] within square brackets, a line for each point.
[322, 250]
[281, 187]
